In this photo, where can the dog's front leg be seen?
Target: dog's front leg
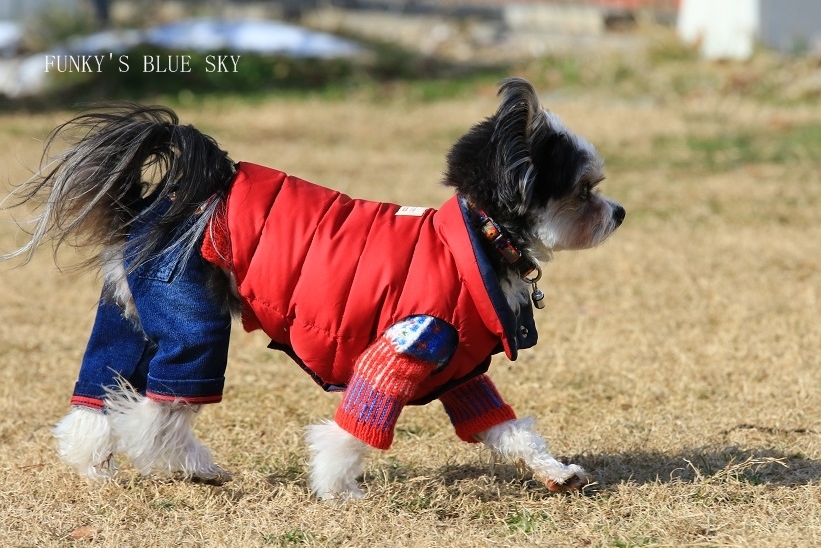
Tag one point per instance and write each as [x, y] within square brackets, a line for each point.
[337, 461]
[516, 441]
[384, 379]
[479, 413]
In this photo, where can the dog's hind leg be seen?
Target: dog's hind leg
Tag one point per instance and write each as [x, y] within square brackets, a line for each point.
[85, 441]
[184, 366]
[159, 437]
[516, 441]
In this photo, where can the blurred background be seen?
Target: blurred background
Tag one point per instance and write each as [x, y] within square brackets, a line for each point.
[341, 47]
[678, 363]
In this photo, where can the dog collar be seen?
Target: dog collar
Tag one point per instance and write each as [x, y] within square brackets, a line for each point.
[492, 232]
[528, 270]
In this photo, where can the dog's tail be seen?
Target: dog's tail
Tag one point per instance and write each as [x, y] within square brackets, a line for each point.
[126, 163]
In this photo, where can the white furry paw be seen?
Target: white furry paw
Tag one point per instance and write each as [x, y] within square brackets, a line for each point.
[159, 437]
[212, 474]
[338, 460]
[85, 441]
[575, 479]
[516, 441]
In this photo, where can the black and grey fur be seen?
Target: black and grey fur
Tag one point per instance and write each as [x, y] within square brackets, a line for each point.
[124, 158]
[522, 166]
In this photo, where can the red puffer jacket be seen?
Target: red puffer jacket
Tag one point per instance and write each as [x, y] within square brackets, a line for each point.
[324, 275]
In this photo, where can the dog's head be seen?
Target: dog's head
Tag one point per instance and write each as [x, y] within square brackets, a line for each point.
[534, 176]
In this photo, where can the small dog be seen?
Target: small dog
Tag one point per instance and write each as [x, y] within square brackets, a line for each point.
[390, 305]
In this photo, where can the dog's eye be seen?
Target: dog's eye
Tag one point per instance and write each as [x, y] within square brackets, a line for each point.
[589, 188]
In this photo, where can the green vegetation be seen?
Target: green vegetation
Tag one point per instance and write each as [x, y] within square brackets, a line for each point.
[656, 68]
[388, 71]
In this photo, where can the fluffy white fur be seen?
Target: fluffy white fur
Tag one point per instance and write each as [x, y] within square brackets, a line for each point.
[85, 441]
[112, 268]
[517, 292]
[159, 437]
[564, 225]
[337, 461]
[515, 441]
[338, 458]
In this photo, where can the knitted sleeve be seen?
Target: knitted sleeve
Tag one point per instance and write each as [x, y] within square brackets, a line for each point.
[475, 406]
[387, 374]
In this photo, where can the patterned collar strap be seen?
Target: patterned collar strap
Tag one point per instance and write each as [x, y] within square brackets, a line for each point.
[492, 232]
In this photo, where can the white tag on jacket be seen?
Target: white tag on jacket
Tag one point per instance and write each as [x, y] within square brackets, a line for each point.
[411, 211]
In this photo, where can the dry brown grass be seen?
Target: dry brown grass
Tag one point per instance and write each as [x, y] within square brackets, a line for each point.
[678, 363]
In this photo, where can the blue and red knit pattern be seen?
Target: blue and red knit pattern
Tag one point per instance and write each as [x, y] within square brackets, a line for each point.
[424, 337]
[388, 373]
[475, 406]
[382, 383]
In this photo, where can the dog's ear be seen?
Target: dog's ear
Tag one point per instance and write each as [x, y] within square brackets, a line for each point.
[514, 124]
[491, 164]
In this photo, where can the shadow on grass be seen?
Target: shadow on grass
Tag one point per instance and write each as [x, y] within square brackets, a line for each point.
[708, 470]
[702, 465]
[699, 467]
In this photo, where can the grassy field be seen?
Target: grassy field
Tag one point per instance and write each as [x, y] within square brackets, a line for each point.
[678, 362]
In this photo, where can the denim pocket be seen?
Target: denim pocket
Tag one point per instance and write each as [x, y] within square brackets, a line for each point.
[163, 268]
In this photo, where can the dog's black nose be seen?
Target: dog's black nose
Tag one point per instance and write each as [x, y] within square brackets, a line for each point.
[618, 215]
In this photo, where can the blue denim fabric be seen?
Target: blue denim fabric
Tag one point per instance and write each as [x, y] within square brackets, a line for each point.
[180, 350]
[115, 349]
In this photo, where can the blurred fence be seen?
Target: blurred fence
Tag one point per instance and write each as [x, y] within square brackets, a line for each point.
[17, 10]
[627, 5]
[21, 9]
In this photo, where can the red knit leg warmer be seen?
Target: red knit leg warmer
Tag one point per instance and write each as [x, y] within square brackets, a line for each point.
[474, 407]
[382, 383]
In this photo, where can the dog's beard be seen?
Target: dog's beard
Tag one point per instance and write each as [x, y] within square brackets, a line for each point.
[571, 223]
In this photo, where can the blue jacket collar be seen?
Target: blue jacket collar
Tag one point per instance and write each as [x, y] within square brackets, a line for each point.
[519, 328]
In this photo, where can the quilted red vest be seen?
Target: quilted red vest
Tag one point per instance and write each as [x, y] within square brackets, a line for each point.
[323, 275]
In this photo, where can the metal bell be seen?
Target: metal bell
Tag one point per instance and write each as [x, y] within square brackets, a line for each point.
[538, 297]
